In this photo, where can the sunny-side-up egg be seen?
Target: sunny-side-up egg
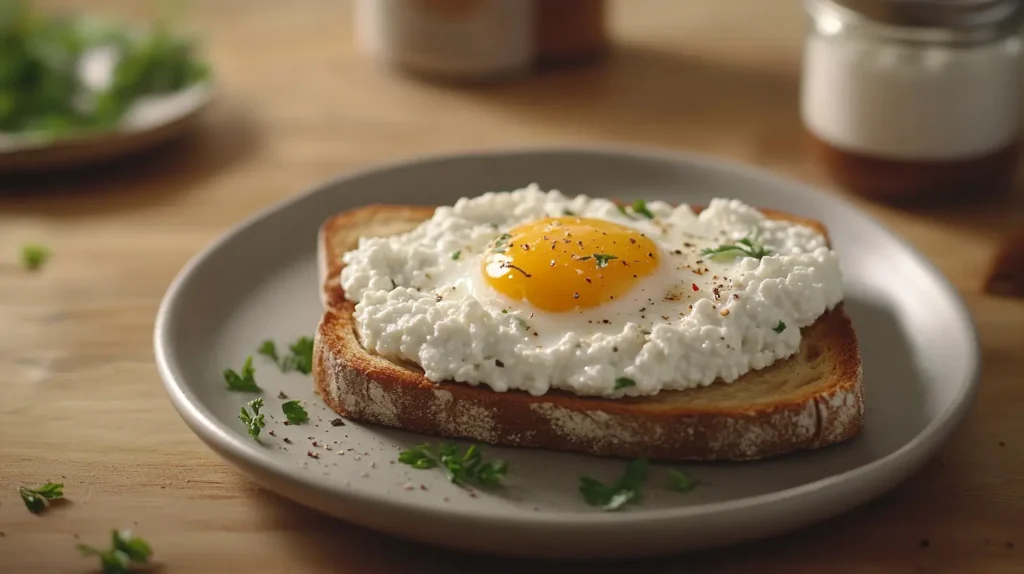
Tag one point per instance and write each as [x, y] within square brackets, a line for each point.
[535, 290]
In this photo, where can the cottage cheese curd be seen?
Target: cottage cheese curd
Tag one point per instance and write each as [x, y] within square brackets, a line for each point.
[534, 290]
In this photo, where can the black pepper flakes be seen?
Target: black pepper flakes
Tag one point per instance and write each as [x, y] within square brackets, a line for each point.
[925, 543]
[499, 364]
[337, 422]
[282, 396]
[287, 440]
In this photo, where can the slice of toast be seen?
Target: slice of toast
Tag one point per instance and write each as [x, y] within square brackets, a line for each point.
[810, 400]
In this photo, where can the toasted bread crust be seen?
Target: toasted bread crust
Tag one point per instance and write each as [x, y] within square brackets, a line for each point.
[677, 426]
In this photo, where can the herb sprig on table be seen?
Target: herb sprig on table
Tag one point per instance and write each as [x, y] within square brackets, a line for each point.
[126, 552]
[34, 255]
[37, 499]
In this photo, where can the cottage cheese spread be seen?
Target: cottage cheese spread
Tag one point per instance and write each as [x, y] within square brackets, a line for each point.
[479, 293]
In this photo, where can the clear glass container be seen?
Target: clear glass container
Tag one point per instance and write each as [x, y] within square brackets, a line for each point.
[914, 98]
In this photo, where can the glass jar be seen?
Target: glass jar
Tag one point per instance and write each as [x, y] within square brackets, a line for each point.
[460, 40]
[914, 98]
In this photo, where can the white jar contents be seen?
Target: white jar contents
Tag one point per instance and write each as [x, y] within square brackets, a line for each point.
[912, 102]
[459, 39]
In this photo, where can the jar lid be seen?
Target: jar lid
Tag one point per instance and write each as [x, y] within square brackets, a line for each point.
[958, 15]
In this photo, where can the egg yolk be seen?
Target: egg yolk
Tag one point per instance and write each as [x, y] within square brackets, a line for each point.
[563, 263]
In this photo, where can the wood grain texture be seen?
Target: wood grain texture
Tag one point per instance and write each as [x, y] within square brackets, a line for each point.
[80, 397]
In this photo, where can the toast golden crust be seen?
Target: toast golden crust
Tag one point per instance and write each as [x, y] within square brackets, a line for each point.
[810, 400]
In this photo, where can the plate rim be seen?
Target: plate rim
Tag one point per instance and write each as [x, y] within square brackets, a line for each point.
[229, 445]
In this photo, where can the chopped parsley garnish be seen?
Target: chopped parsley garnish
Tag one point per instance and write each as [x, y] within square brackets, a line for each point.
[568, 212]
[640, 207]
[294, 412]
[460, 469]
[268, 349]
[242, 382]
[624, 382]
[780, 327]
[748, 246]
[36, 499]
[456, 255]
[680, 482]
[253, 422]
[300, 359]
[501, 243]
[602, 260]
[625, 489]
[125, 553]
[33, 256]
[522, 323]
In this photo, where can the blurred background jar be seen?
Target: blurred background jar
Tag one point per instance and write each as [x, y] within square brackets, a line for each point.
[912, 99]
[480, 40]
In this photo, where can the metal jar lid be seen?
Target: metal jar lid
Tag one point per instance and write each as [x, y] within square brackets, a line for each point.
[971, 17]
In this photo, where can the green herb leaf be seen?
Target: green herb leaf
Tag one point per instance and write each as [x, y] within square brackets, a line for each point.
[780, 327]
[640, 207]
[568, 213]
[254, 422]
[301, 358]
[242, 382]
[268, 349]
[747, 246]
[419, 457]
[501, 243]
[456, 255]
[680, 482]
[467, 467]
[613, 496]
[602, 260]
[125, 553]
[36, 499]
[522, 323]
[294, 412]
[624, 382]
[33, 256]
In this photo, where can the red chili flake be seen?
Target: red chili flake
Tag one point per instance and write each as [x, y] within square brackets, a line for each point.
[312, 454]
[316, 443]
[695, 288]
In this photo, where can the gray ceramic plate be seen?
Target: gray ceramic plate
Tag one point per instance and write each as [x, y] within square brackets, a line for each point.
[259, 281]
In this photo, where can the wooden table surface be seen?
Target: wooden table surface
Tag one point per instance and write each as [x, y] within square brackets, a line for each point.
[81, 401]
